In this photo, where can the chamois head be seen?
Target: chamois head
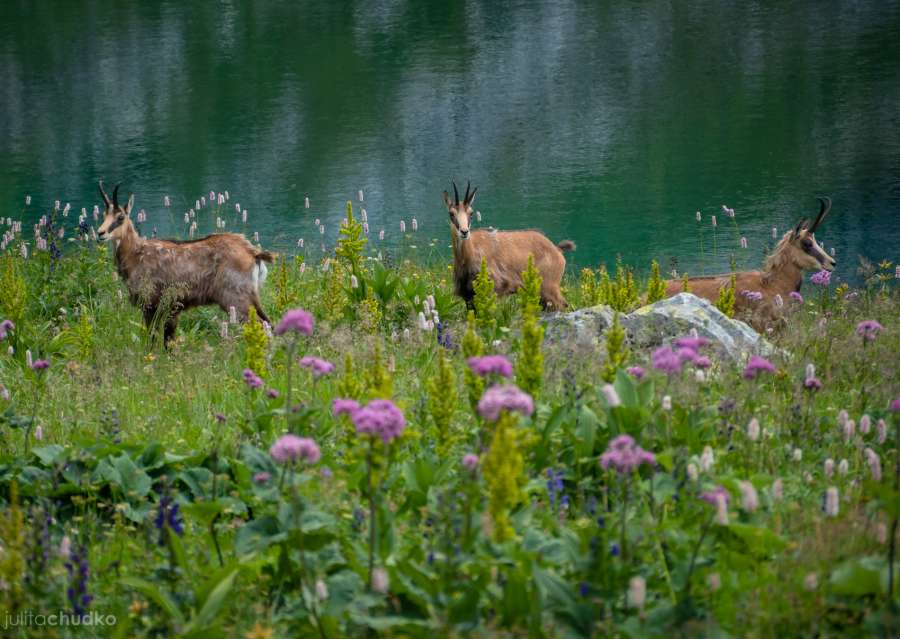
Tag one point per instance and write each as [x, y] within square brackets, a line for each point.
[800, 247]
[460, 212]
[115, 216]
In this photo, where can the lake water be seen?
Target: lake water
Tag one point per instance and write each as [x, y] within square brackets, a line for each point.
[607, 123]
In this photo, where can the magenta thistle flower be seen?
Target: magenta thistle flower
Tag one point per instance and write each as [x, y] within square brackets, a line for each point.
[868, 330]
[6, 326]
[636, 371]
[252, 379]
[510, 398]
[40, 364]
[701, 361]
[758, 365]
[341, 406]
[666, 360]
[470, 461]
[295, 320]
[380, 417]
[822, 278]
[895, 405]
[691, 342]
[812, 384]
[794, 295]
[491, 364]
[261, 477]
[290, 448]
[712, 496]
[272, 393]
[686, 354]
[317, 366]
[624, 455]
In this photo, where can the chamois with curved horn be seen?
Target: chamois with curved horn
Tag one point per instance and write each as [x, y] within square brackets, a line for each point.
[506, 253]
[224, 268]
[782, 273]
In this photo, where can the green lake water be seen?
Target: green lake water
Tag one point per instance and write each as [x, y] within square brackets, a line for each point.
[609, 123]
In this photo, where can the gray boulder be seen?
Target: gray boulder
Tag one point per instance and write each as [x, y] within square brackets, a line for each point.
[656, 324]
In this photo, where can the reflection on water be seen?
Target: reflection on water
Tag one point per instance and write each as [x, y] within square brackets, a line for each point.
[609, 125]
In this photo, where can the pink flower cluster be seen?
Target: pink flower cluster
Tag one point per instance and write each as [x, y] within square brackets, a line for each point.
[508, 398]
[714, 495]
[296, 320]
[317, 366]
[753, 296]
[491, 365]
[758, 365]
[290, 448]
[794, 295]
[822, 278]
[624, 455]
[636, 371]
[6, 326]
[470, 461]
[666, 360]
[670, 361]
[379, 417]
[40, 364]
[251, 379]
[868, 330]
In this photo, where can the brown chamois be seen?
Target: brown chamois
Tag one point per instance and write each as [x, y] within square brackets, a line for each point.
[172, 276]
[506, 253]
[782, 274]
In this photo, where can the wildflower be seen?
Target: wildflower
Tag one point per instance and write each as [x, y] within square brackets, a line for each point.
[354, 283]
[811, 581]
[381, 234]
[714, 581]
[402, 226]
[379, 417]
[290, 448]
[4, 393]
[843, 467]
[842, 417]
[79, 572]
[6, 326]
[321, 590]
[895, 405]
[252, 379]
[306, 202]
[812, 384]
[692, 471]
[777, 490]
[874, 464]
[719, 498]
[167, 517]
[341, 406]
[39, 433]
[849, 429]
[881, 427]
[470, 461]
[794, 295]
[415, 225]
[625, 456]
[318, 367]
[261, 477]
[797, 455]
[743, 242]
[714, 221]
[39, 365]
[881, 533]
[706, 459]
[491, 364]
[749, 497]
[65, 547]
[868, 330]
[698, 216]
[612, 397]
[554, 485]
[832, 505]
[295, 320]
[758, 365]
[829, 468]
[865, 424]
[272, 393]
[753, 430]
[822, 278]
[380, 581]
[637, 591]
[666, 360]
[666, 403]
[635, 371]
[499, 398]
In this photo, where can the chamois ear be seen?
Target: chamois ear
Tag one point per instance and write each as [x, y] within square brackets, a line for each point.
[800, 226]
[447, 200]
[130, 205]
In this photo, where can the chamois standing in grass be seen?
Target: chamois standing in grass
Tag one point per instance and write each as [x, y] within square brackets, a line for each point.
[170, 276]
[506, 253]
[782, 273]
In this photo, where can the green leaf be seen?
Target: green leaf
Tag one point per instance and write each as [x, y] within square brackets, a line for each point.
[758, 541]
[49, 455]
[857, 577]
[133, 480]
[213, 603]
[258, 535]
[157, 596]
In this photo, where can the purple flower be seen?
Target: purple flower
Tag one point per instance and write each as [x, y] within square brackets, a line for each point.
[868, 330]
[509, 398]
[822, 278]
[636, 371]
[317, 366]
[341, 406]
[470, 461]
[5, 327]
[812, 383]
[295, 320]
[794, 295]
[713, 496]
[691, 342]
[261, 477]
[686, 354]
[491, 364]
[758, 365]
[379, 417]
[895, 405]
[272, 393]
[40, 365]
[252, 379]
[624, 455]
[290, 448]
[666, 360]
[220, 417]
[701, 361]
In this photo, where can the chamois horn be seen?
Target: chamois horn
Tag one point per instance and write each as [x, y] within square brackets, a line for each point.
[471, 196]
[455, 192]
[103, 193]
[466, 197]
[116, 196]
[823, 211]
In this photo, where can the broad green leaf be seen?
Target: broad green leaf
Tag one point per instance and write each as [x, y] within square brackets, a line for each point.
[157, 596]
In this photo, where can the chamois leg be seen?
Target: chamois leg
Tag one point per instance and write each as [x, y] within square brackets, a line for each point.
[171, 327]
[552, 298]
[260, 313]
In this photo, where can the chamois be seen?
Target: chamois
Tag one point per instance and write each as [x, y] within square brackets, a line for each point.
[223, 269]
[506, 253]
[782, 273]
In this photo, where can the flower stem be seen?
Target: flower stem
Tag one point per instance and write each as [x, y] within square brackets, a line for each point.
[372, 514]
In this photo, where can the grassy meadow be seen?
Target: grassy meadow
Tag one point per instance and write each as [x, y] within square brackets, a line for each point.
[151, 492]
